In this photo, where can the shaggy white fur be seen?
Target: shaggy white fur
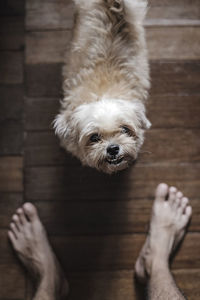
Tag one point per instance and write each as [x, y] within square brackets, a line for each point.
[106, 81]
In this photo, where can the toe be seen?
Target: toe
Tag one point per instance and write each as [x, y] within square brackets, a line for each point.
[30, 211]
[16, 220]
[179, 195]
[161, 192]
[183, 205]
[188, 212]
[178, 200]
[12, 237]
[172, 194]
[186, 217]
[21, 215]
[14, 229]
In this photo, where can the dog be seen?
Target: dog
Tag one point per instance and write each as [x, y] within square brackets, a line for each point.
[106, 81]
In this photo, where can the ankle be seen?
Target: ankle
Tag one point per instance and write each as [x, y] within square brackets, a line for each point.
[158, 265]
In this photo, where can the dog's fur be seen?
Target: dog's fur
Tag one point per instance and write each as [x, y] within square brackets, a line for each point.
[106, 82]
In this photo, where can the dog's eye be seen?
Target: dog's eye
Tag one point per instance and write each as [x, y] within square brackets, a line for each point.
[95, 138]
[126, 130]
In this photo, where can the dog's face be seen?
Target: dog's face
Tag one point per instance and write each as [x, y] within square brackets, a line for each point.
[105, 135]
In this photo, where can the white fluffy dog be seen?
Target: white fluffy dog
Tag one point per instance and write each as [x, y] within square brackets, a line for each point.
[106, 81]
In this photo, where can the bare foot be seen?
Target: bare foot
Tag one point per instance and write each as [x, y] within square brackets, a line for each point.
[170, 216]
[29, 240]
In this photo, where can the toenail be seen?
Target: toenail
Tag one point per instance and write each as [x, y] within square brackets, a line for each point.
[173, 189]
[185, 200]
[179, 194]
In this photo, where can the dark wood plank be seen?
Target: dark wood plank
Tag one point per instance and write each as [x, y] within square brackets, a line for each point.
[110, 217]
[161, 145]
[77, 183]
[164, 112]
[181, 12]
[11, 174]
[43, 80]
[102, 217]
[166, 42]
[9, 202]
[7, 257]
[11, 137]
[11, 120]
[174, 111]
[12, 33]
[11, 64]
[175, 78]
[168, 78]
[12, 98]
[117, 252]
[40, 113]
[49, 14]
[167, 12]
[12, 8]
[188, 281]
[52, 46]
[12, 283]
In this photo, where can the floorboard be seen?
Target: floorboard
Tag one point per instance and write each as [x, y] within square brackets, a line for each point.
[96, 223]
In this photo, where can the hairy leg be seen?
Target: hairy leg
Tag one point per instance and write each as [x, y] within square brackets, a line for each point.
[30, 242]
[170, 216]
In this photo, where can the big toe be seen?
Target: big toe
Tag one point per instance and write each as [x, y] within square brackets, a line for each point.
[162, 191]
[30, 211]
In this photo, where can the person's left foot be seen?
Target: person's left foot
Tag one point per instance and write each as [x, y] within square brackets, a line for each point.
[30, 242]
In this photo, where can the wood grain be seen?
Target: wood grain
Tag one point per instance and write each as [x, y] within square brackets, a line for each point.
[102, 217]
[52, 46]
[11, 64]
[11, 137]
[174, 111]
[175, 78]
[116, 252]
[166, 42]
[182, 12]
[169, 12]
[12, 8]
[12, 283]
[43, 80]
[9, 202]
[11, 176]
[40, 113]
[11, 102]
[60, 14]
[74, 182]
[12, 33]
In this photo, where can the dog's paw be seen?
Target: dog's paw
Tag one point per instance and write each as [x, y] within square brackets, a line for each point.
[115, 5]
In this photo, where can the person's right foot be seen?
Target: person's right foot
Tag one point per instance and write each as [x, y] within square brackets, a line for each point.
[170, 216]
[29, 240]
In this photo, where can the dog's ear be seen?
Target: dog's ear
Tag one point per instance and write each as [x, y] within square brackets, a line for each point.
[140, 111]
[60, 125]
[146, 124]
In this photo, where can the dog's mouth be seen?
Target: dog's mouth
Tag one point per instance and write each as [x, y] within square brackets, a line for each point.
[115, 161]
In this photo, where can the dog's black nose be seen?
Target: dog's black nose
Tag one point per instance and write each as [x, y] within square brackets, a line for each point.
[113, 149]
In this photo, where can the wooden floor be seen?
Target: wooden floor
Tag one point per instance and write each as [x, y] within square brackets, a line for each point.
[97, 223]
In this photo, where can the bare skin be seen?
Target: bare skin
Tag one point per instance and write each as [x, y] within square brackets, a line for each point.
[170, 216]
[29, 240]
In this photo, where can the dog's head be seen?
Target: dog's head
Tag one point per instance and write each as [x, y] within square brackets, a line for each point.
[106, 134]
